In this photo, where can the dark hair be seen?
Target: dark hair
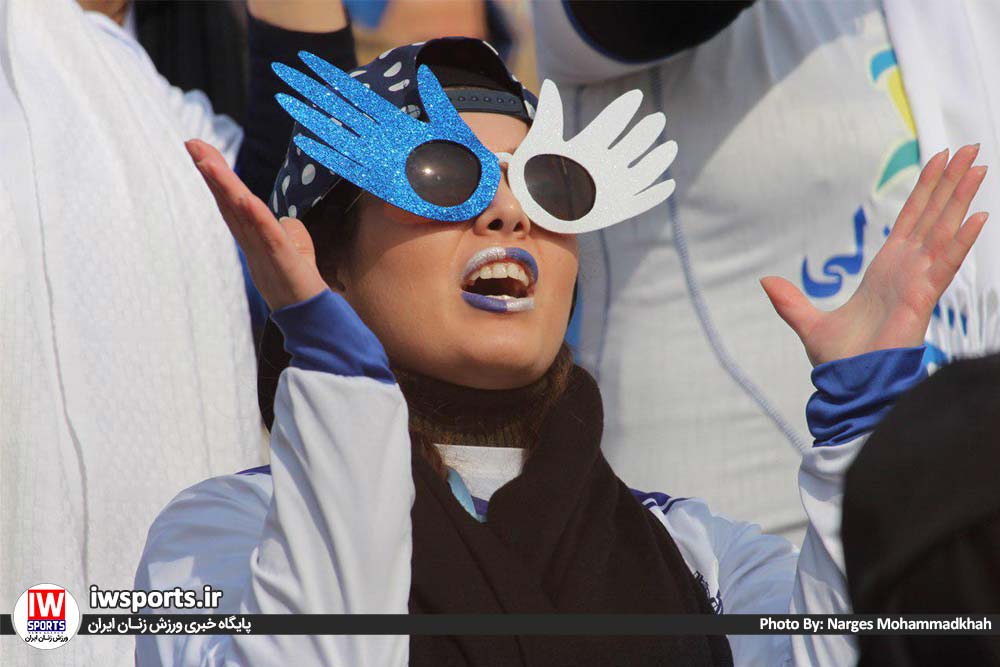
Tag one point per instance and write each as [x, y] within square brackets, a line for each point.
[333, 223]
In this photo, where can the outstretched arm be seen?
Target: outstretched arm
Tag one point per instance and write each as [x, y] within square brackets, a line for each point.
[334, 535]
[866, 353]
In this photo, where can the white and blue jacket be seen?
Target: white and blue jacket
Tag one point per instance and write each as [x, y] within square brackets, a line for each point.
[326, 529]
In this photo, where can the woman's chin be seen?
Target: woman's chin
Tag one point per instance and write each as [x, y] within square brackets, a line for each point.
[493, 362]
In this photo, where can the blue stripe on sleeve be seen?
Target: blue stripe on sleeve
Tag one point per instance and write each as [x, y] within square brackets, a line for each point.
[655, 497]
[325, 334]
[852, 395]
[259, 470]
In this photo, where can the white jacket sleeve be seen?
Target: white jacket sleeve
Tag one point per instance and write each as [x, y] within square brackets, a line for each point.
[747, 572]
[328, 531]
[821, 580]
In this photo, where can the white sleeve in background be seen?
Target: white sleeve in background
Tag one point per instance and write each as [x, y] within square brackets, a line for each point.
[746, 571]
[192, 111]
[334, 535]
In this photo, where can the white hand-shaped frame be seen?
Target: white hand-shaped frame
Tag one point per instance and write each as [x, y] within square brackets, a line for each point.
[622, 191]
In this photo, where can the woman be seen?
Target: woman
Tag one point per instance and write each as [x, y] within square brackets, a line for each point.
[405, 331]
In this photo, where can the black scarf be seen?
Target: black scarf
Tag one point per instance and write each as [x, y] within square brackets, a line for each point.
[565, 536]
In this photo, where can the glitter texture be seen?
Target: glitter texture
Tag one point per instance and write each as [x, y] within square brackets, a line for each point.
[367, 140]
[622, 191]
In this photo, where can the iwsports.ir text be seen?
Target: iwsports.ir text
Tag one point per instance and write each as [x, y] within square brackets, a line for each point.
[137, 600]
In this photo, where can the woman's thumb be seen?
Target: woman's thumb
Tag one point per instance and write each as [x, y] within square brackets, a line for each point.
[299, 236]
[791, 304]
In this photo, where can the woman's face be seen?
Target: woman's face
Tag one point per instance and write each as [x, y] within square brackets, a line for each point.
[441, 301]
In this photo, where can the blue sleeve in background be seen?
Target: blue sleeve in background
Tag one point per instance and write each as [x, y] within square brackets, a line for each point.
[852, 395]
[367, 13]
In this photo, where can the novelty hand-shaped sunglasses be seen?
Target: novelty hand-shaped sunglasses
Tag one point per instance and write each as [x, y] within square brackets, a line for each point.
[440, 170]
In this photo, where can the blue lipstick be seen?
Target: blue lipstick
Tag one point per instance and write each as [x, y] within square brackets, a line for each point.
[512, 263]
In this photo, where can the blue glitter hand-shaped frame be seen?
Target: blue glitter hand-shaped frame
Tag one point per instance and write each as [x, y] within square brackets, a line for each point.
[367, 140]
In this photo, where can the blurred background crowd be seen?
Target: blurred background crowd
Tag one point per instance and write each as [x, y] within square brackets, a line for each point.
[214, 36]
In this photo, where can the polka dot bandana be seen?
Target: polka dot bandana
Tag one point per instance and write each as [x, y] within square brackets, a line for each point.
[459, 62]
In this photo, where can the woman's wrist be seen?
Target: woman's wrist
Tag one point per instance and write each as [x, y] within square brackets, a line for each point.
[853, 394]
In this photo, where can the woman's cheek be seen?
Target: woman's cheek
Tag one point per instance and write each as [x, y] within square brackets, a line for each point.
[401, 216]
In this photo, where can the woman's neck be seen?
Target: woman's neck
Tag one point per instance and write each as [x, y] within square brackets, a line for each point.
[443, 413]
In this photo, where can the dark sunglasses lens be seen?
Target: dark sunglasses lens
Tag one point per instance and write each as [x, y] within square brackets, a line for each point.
[443, 173]
[560, 186]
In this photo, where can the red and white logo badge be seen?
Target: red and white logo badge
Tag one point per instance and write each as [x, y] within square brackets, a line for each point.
[46, 616]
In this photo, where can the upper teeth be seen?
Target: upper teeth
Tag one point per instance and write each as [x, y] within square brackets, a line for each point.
[500, 270]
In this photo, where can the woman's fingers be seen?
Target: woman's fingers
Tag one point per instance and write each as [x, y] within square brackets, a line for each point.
[953, 174]
[954, 254]
[196, 149]
[205, 159]
[227, 185]
[267, 229]
[299, 237]
[281, 257]
[917, 201]
[251, 222]
[945, 228]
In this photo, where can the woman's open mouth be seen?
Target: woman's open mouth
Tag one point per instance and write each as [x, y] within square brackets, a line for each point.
[500, 280]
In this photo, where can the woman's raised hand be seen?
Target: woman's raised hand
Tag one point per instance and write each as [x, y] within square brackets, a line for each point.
[892, 306]
[279, 253]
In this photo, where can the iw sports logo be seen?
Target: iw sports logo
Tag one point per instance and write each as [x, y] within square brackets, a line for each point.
[46, 616]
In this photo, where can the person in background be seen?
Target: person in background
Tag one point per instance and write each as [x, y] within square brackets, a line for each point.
[194, 45]
[381, 24]
[127, 364]
[172, 70]
[925, 539]
[216, 56]
[800, 147]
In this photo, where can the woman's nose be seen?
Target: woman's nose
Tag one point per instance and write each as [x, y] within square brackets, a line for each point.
[504, 215]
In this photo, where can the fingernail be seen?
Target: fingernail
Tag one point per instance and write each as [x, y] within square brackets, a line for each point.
[194, 149]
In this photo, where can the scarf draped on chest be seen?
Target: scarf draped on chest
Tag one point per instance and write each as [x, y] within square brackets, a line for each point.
[565, 536]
